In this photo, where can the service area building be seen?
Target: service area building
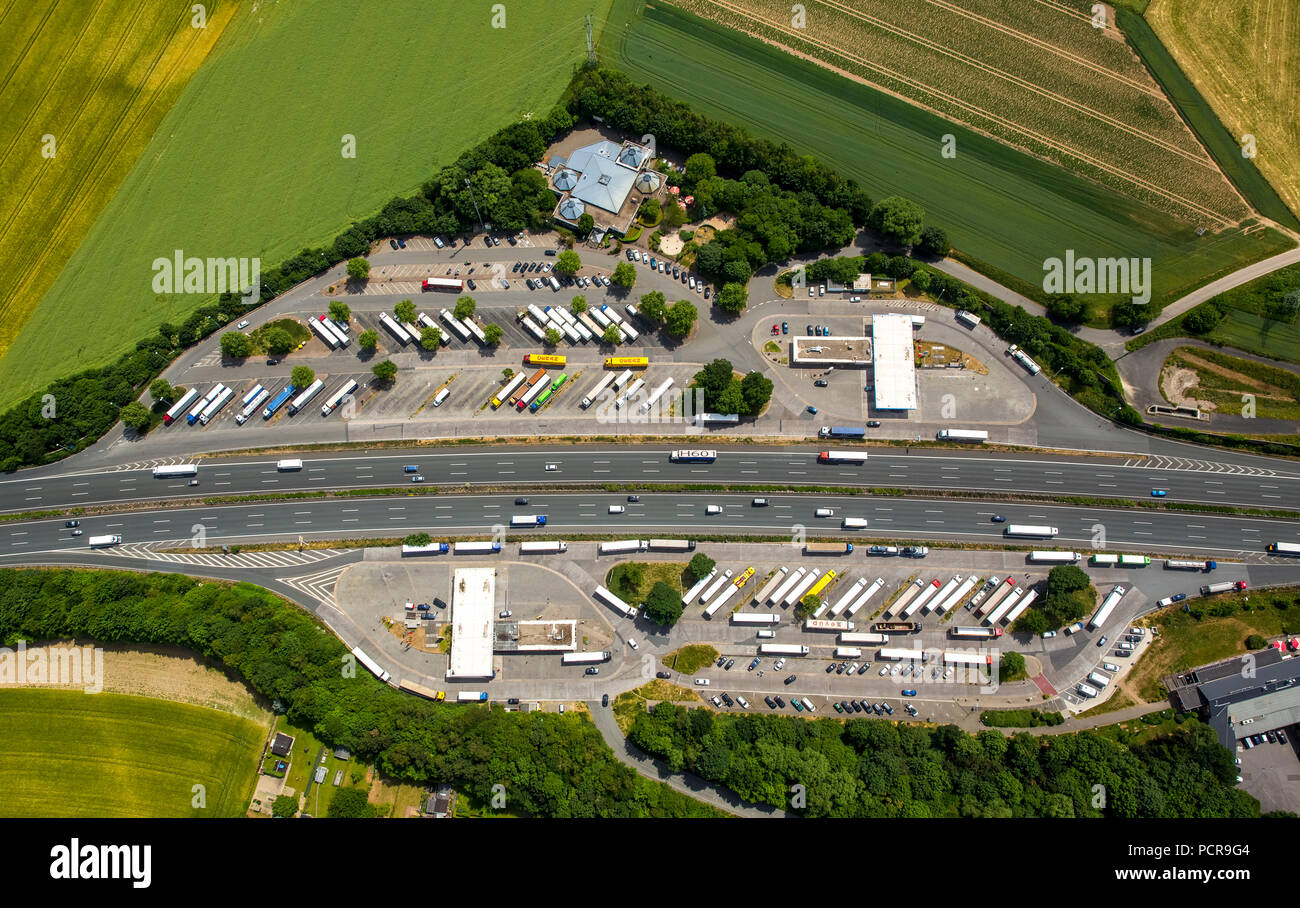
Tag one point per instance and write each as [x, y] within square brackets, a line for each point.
[893, 351]
[473, 598]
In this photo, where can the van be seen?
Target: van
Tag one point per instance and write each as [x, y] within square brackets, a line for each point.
[1124, 646]
[442, 395]
[293, 464]
[807, 704]
[824, 512]
[1137, 631]
[713, 509]
[759, 503]
[766, 634]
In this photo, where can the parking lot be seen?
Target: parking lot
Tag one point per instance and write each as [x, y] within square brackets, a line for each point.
[1271, 771]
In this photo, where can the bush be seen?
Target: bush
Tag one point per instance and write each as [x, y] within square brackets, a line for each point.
[385, 372]
[418, 539]
[1255, 641]
[404, 311]
[278, 341]
[350, 803]
[663, 606]
[699, 567]
[302, 376]
[284, 806]
[368, 340]
[1203, 319]
[235, 345]
[358, 269]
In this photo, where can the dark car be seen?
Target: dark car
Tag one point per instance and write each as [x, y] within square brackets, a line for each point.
[727, 667]
[401, 244]
[727, 700]
[604, 699]
[550, 252]
[771, 704]
[839, 669]
[820, 383]
[889, 710]
[439, 603]
[838, 708]
[487, 241]
[856, 707]
[512, 241]
[629, 255]
[722, 660]
[521, 501]
[875, 708]
[592, 670]
[633, 499]
[873, 424]
[513, 701]
[830, 667]
[779, 701]
[470, 283]
[72, 523]
[1101, 641]
[393, 243]
[272, 362]
[423, 606]
[910, 692]
[663, 674]
[516, 268]
[999, 518]
[1178, 597]
[790, 680]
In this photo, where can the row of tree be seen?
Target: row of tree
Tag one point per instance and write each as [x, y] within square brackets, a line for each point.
[725, 393]
[550, 765]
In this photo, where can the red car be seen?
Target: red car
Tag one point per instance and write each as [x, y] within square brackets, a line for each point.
[776, 329]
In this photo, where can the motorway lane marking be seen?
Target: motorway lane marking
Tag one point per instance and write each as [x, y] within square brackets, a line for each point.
[256, 524]
[34, 498]
[23, 533]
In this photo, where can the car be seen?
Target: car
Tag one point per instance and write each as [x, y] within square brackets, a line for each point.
[785, 327]
[487, 241]
[884, 670]
[875, 708]
[790, 680]
[810, 330]
[780, 663]
[716, 701]
[712, 509]
[820, 383]
[999, 518]
[505, 284]
[911, 710]
[393, 243]
[811, 409]
[592, 670]
[437, 241]
[701, 682]
[798, 707]
[753, 665]
[437, 601]
[632, 643]
[629, 254]
[830, 667]
[512, 241]
[894, 671]
[561, 707]
[76, 532]
[470, 283]
[1272, 738]
[513, 701]
[812, 291]
[616, 509]
[873, 424]
[1047, 635]
[726, 698]
[243, 324]
[780, 702]
[1101, 641]
[604, 699]
[910, 692]
[633, 499]
[758, 503]
[727, 667]
[1159, 493]
[776, 329]
[947, 673]
[839, 669]
[722, 660]
[552, 467]
[530, 284]
[889, 710]
[707, 291]
[496, 241]
[422, 607]
[193, 482]
[1281, 737]
[838, 708]
[855, 706]
[675, 271]
[863, 669]
[72, 523]
[771, 704]
[521, 501]
[272, 362]
[505, 613]
[417, 478]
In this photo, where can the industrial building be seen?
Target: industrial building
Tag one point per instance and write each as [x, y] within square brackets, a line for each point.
[1248, 695]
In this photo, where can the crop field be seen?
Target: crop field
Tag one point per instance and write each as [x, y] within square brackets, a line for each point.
[1006, 211]
[1244, 57]
[249, 161]
[1037, 76]
[97, 85]
[1221, 380]
[70, 754]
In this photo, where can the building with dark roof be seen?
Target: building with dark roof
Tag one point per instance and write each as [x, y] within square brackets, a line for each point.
[1248, 695]
[282, 744]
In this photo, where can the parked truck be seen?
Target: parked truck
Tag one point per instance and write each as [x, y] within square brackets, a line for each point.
[542, 548]
[841, 432]
[433, 548]
[895, 627]
[476, 548]
[782, 649]
[1225, 586]
[986, 633]
[828, 548]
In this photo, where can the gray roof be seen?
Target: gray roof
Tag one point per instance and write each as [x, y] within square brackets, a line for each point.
[1269, 695]
[647, 182]
[604, 183]
[571, 209]
[566, 180]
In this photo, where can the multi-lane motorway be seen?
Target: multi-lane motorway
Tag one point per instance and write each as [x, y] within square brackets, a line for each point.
[1199, 482]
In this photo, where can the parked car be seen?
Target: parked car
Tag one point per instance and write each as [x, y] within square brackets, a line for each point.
[393, 243]
[753, 665]
[798, 707]
[701, 682]
[790, 680]
[910, 692]
[1047, 635]
[780, 664]
[838, 708]
[785, 327]
[632, 643]
[771, 704]
[811, 409]
[664, 675]
[820, 383]
[873, 424]
[505, 613]
[830, 667]
[727, 667]
[1101, 641]
[780, 701]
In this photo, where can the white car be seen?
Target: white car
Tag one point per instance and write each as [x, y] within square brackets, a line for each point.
[947, 673]
[884, 670]
[243, 324]
[779, 663]
[701, 682]
[632, 643]
[616, 509]
[1048, 634]
[713, 509]
[551, 467]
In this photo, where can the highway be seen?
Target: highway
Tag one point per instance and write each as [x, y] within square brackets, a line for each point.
[578, 513]
[1187, 481]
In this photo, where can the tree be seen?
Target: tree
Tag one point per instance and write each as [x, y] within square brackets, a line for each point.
[369, 340]
[732, 298]
[934, 242]
[731, 400]
[417, 539]
[579, 304]
[135, 416]
[340, 311]
[1013, 666]
[278, 341]
[465, 308]
[700, 166]
[808, 605]
[235, 345]
[699, 567]
[624, 275]
[385, 372]
[612, 335]
[756, 390]
[680, 317]
[1063, 307]
[160, 390]
[714, 378]
[1203, 319]
[898, 220]
[629, 577]
[921, 279]
[507, 373]
[650, 212]
[358, 269]
[664, 604]
[586, 223]
[567, 262]
[350, 803]
[553, 337]
[430, 338]
[405, 312]
[302, 376]
[492, 333]
[284, 806]
[653, 307]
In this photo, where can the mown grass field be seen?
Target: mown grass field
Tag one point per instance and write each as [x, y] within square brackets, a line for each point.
[98, 79]
[1223, 379]
[248, 162]
[1244, 58]
[1005, 211]
[70, 754]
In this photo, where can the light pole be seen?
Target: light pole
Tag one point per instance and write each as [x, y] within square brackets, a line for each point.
[475, 201]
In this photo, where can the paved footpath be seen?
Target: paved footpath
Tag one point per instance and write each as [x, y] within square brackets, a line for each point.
[687, 783]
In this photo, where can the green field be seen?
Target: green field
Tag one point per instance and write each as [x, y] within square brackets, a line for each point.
[248, 162]
[1005, 211]
[71, 754]
[97, 80]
